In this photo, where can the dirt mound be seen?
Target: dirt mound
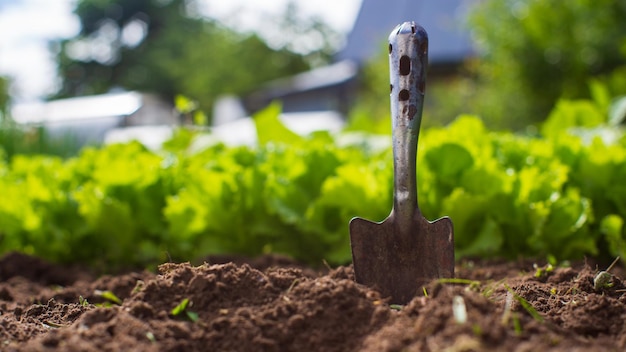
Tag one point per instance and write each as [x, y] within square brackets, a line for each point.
[235, 307]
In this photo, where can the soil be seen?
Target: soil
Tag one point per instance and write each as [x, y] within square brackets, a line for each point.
[272, 304]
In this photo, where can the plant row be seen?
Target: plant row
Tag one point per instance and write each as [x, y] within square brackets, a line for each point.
[557, 193]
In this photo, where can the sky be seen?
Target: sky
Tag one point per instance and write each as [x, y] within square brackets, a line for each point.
[26, 26]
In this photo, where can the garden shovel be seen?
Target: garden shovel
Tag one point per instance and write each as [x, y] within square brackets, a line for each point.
[404, 252]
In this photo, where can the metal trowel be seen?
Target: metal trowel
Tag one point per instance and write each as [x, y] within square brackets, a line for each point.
[406, 251]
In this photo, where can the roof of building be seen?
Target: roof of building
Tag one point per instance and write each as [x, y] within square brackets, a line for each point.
[79, 108]
[445, 22]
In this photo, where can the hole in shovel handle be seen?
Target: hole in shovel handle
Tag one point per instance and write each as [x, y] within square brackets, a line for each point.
[405, 65]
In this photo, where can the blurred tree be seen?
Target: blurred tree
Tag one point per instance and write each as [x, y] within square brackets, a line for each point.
[309, 35]
[164, 46]
[535, 51]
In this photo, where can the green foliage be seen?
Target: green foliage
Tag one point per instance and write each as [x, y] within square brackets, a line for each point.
[534, 52]
[124, 205]
[508, 195]
[269, 129]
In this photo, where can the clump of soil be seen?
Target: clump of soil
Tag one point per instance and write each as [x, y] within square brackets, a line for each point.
[274, 305]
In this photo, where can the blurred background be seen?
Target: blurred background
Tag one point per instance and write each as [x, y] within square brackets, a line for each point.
[86, 68]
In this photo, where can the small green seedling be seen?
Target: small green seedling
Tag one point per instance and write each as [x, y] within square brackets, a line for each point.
[110, 298]
[396, 306]
[83, 301]
[604, 279]
[525, 304]
[509, 315]
[181, 309]
[543, 271]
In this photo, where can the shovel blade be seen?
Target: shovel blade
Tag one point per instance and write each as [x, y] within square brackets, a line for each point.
[398, 260]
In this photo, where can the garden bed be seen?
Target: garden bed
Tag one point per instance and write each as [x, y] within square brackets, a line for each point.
[272, 304]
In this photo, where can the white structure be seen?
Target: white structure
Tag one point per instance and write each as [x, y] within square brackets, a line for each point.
[89, 118]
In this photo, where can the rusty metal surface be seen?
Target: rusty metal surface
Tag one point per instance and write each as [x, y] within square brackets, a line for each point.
[405, 251]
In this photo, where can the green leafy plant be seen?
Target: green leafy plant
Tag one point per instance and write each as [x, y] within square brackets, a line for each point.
[556, 194]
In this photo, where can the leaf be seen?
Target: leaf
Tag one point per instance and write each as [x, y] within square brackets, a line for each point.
[184, 104]
[180, 308]
[180, 141]
[449, 160]
[109, 296]
[600, 94]
[269, 128]
[488, 241]
[568, 114]
[193, 316]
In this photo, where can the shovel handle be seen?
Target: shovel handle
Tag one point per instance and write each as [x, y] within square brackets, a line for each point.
[408, 58]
